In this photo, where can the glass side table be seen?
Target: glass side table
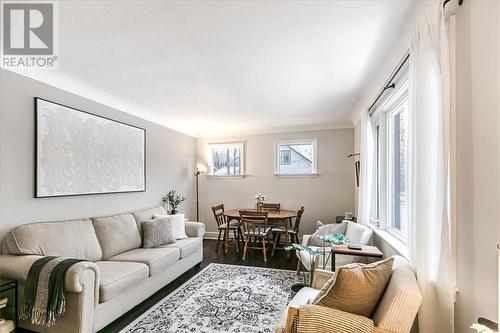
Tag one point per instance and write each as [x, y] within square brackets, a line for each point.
[9, 287]
[336, 238]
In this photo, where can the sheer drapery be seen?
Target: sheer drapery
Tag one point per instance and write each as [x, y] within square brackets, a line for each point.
[366, 168]
[430, 237]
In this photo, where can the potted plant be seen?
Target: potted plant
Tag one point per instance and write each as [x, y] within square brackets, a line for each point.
[260, 198]
[173, 200]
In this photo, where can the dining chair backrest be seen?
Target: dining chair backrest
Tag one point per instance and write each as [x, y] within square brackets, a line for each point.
[219, 214]
[298, 219]
[270, 206]
[254, 221]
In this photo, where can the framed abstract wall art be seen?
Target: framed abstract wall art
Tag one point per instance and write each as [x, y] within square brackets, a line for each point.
[80, 153]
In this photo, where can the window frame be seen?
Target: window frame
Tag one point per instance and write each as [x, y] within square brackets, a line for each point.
[277, 157]
[380, 119]
[226, 145]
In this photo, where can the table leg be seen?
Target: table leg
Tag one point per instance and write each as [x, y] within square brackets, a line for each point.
[333, 260]
[16, 304]
[285, 222]
[226, 236]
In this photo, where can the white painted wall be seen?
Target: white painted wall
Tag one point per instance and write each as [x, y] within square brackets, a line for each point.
[324, 197]
[478, 160]
[170, 160]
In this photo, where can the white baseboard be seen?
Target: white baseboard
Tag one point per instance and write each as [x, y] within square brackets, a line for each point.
[211, 235]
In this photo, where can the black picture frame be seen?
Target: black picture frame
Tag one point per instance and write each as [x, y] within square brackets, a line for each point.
[36, 166]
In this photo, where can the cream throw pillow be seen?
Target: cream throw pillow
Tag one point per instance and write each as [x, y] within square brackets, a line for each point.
[157, 232]
[178, 224]
[356, 288]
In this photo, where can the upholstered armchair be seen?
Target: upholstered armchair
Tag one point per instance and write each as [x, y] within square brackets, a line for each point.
[395, 313]
[356, 233]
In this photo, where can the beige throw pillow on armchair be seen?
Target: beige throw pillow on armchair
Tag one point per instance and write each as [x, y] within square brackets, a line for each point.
[356, 288]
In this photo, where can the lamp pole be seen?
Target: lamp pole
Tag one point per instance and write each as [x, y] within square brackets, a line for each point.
[197, 203]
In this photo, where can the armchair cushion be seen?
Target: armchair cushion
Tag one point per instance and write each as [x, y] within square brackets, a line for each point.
[356, 288]
[314, 318]
[357, 233]
[327, 229]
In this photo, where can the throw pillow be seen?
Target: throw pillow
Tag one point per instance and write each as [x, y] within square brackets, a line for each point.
[327, 229]
[157, 232]
[178, 223]
[356, 288]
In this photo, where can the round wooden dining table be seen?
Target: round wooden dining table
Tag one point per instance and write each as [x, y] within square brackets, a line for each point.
[275, 216]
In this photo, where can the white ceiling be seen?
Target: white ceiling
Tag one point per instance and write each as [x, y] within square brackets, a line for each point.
[219, 68]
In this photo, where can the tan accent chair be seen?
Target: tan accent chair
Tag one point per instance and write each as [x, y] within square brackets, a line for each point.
[395, 312]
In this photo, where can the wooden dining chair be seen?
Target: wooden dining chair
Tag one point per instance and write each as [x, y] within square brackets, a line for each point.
[255, 228]
[293, 233]
[234, 226]
[270, 206]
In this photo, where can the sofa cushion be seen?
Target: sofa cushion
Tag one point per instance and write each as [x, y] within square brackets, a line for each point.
[117, 234]
[178, 222]
[356, 288]
[118, 276]
[147, 214]
[303, 296]
[75, 238]
[186, 245]
[157, 232]
[157, 259]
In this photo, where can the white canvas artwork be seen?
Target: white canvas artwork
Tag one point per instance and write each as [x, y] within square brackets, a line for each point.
[80, 153]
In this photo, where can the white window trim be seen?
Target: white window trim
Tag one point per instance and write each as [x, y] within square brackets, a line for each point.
[314, 172]
[225, 145]
[380, 117]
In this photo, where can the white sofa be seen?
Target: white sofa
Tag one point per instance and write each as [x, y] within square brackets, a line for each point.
[356, 233]
[118, 273]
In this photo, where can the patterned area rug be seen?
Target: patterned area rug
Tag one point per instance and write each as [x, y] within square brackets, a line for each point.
[221, 298]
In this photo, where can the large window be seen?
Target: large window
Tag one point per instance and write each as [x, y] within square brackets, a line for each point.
[398, 162]
[390, 179]
[296, 157]
[226, 159]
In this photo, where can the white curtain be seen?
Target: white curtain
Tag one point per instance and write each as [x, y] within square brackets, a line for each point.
[430, 242]
[366, 168]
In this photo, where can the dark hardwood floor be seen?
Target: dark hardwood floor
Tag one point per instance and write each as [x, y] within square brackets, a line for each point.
[254, 258]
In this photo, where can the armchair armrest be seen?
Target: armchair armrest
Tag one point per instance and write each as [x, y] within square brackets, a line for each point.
[315, 318]
[320, 277]
[79, 277]
[194, 229]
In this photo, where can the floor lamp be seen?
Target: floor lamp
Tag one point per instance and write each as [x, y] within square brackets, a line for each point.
[199, 171]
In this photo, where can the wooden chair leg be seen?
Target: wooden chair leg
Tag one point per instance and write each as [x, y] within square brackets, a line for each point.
[264, 248]
[276, 240]
[218, 242]
[245, 248]
[236, 241]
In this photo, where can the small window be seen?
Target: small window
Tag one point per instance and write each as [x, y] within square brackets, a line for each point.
[296, 157]
[226, 159]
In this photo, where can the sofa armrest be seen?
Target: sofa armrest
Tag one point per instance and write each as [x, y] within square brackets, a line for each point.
[320, 277]
[315, 318]
[79, 277]
[195, 229]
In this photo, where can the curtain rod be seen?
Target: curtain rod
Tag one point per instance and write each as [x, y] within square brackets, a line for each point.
[460, 2]
[390, 84]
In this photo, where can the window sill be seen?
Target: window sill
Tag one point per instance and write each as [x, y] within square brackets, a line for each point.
[225, 176]
[295, 175]
[393, 241]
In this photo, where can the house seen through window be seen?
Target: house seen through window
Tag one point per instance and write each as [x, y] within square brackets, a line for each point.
[296, 158]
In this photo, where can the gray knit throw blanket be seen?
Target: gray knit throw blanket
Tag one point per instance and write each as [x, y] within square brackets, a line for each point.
[44, 290]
